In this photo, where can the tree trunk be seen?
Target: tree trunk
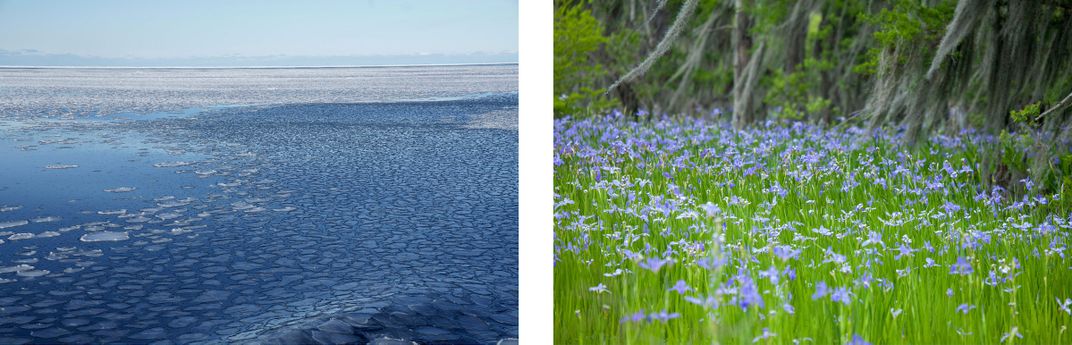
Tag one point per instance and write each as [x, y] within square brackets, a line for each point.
[630, 104]
[998, 84]
[827, 89]
[796, 33]
[742, 44]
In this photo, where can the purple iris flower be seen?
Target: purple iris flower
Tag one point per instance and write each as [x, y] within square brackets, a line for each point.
[790, 273]
[865, 279]
[903, 250]
[681, 287]
[820, 290]
[856, 340]
[992, 279]
[841, 295]
[711, 263]
[766, 334]
[950, 208]
[777, 189]
[772, 274]
[654, 264]
[785, 252]
[636, 317]
[711, 209]
[663, 316]
[747, 292]
[873, 238]
[961, 267]
[709, 302]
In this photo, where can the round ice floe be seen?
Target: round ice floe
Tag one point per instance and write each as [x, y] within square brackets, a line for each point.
[21, 236]
[48, 219]
[172, 164]
[169, 215]
[7, 208]
[32, 273]
[120, 190]
[16, 268]
[105, 236]
[48, 234]
[174, 203]
[26, 261]
[185, 229]
[138, 219]
[12, 224]
[150, 210]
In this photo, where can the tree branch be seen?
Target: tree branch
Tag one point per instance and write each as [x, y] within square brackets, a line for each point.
[664, 45]
[1064, 103]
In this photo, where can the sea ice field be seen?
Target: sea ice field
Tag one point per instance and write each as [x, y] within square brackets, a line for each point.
[275, 205]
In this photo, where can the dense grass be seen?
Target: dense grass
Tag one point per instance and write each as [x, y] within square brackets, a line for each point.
[858, 212]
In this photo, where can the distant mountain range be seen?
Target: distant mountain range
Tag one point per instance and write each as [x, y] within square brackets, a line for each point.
[31, 57]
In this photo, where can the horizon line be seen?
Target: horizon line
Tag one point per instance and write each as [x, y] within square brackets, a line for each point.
[262, 67]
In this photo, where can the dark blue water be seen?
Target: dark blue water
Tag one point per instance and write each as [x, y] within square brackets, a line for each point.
[292, 223]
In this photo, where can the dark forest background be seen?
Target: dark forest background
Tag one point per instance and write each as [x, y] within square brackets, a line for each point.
[922, 67]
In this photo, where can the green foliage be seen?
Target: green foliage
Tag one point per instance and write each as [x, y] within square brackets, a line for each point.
[769, 14]
[907, 24]
[1058, 90]
[1063, 180]
[797, 94]
[578, 35]
[870, 64]
[817, 104]
[1026, 115]
[583, 101]
[815, 20]
[1013, 152]
[1017, 155]
[913, 21]
[790, 93]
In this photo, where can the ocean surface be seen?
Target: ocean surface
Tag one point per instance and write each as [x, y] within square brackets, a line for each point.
[304, 205]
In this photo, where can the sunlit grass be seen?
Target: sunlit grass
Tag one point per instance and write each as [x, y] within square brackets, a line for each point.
[723, 207]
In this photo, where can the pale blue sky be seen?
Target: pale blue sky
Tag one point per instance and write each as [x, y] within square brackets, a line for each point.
[202, 28]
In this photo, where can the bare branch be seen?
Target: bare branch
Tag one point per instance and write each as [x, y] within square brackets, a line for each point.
[1064, 103]
[659, 7]
[664, 45]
